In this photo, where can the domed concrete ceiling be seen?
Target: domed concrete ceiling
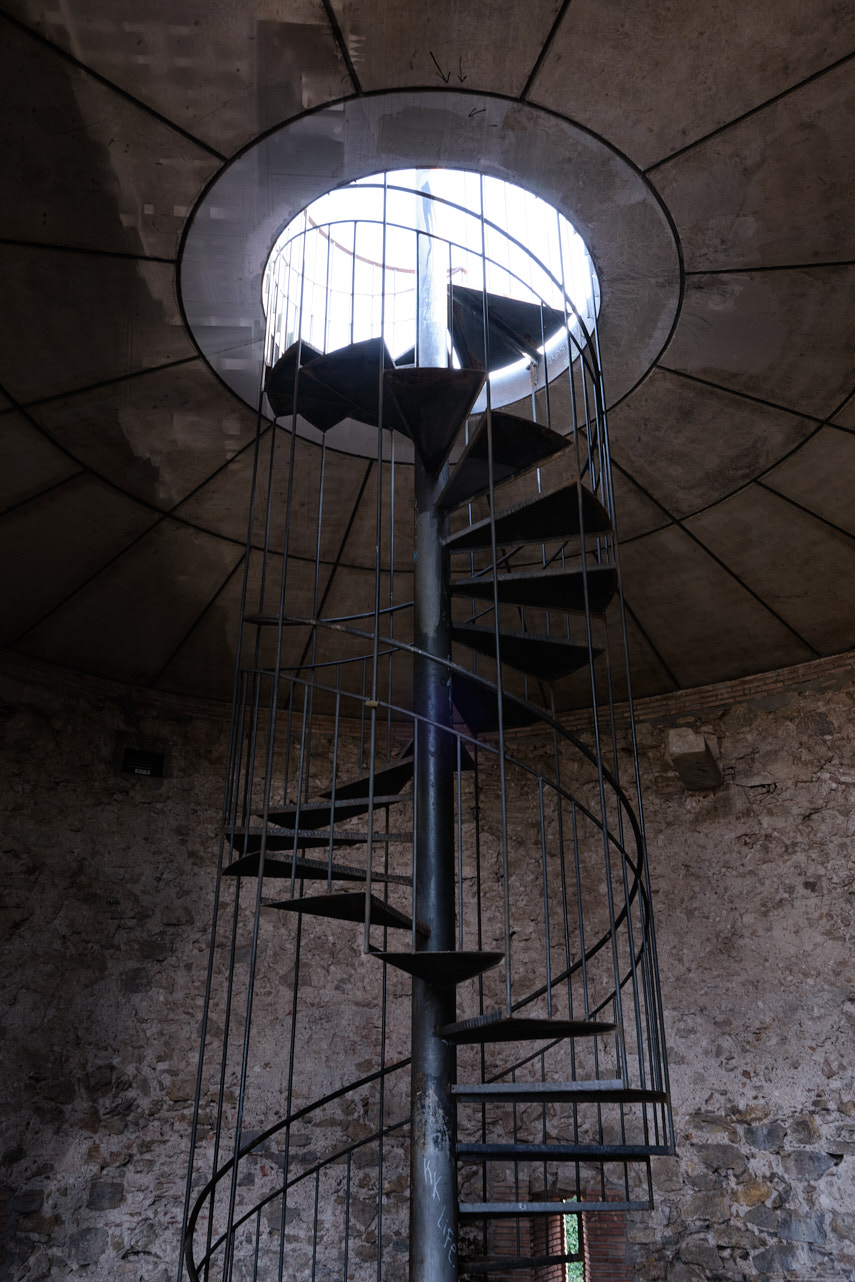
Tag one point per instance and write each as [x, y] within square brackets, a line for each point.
[126, 459]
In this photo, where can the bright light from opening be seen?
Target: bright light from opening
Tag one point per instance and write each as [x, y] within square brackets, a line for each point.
[347, 267]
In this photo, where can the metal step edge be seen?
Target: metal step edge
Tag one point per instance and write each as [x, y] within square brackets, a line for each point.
[511, 1263]
[604, 1091]
[561, 1152]
[506, 1210]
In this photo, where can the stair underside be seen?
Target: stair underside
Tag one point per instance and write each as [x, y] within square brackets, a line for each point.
[498, 1027]
[506, 1210]
[546, 657]
[518, 446]
[388, 779]
[543, 519]
[432, 405]
[304, 869]
[316, 814]
[555, 588]
[561, 1152]
[249, 841]
[513, 328]
[478, 706]
[445, 969]
[601, 1091]
[348, 905]
[511, 1263]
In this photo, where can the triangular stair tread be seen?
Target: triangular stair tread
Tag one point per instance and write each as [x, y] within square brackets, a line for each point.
[249, 842]
[504, 1210]
[518, 445]
[603, 1091]
[561, 1152]
[388, 779]
[539, 520]
[498, 1027]
[445, 969]
[555, 588]
[307, 870]
[352, 373]
[478, 706]
[316, 814]
[433, 405]
[323, 409]
[514, 328]
[512, 1263]
[348, 905]
[546, 657]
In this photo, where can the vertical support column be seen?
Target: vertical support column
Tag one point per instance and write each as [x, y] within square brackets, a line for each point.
[433, 1178]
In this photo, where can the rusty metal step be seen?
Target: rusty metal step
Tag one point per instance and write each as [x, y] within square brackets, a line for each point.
[317, 814]
[445, 969]
[432, 406]
[304, 869]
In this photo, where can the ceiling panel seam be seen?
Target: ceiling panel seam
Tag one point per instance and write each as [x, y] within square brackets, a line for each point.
[752, 111]
[337, 561]
[547, 45]
[97, 387]
[66, 54]
[772, 267]
[646, 636]
[84, 249]
[40, 494]
[745, 396]
[341, 43]
[90, 578]
[200, 616]
[678, 524]
[770, 489]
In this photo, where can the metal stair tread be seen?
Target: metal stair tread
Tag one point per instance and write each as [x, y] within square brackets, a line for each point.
[538, 655]
[541, 519]
[598, 1090]
[393, 777]
[558, 1152]
[432, 405]
[496, 1026]
[504, 1210]
[307, 870]
[555, 587]
[349, 905]
[249, 840]
[511, 1263]
[343, 808]
[518, 445]
[443, 968]
[478, 706]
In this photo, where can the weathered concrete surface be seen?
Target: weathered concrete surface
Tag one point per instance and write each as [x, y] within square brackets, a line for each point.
[108, 890]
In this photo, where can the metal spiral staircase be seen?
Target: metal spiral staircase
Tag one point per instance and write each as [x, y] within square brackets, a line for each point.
[407, 816]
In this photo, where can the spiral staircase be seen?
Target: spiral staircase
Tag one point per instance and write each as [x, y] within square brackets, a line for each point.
[407, 814]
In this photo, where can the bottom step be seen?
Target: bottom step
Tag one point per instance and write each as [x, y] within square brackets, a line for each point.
[511, 1263]
[506, 1210]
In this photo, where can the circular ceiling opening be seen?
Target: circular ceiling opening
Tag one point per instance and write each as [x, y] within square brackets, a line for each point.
[448, 266]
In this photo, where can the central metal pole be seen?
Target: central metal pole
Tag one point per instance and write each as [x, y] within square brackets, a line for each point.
[433, 1177]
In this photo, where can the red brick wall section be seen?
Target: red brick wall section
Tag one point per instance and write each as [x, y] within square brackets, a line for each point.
[605, 1247]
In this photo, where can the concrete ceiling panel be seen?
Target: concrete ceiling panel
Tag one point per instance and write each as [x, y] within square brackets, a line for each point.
[129, 620]
[653, 76]
[80, 319]
[90, 168]
[54, 543]
[30, 462]
[845, 416]
[394, 45]
[689, 445]
[821, 476]
[781, 336]
[222, 72]
[635, 512]
[159, 435]
[703, 623]
[803, 568]
[776, 188]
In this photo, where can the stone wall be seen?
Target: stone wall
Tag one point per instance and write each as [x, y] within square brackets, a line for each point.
[108, 886]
